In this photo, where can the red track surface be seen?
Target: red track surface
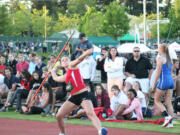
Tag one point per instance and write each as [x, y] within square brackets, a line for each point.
[24, 127]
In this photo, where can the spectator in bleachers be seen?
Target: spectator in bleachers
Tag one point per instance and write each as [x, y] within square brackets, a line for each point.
[118, 100]
[43, 102]
[34, 85]
[58, 88]
[176, 77]
[132, 105]
[100, 66]
[32, 63]
[3, 64]
[21, 65]
[114, 68]
[88, 70]
[140, 95]
[1, 82]
[138, 68]
[12, 62]
[102, 96]
[83, 45]
[8, 86]
[39, 65]
[51, 63]
[22, 91]
[67, 51]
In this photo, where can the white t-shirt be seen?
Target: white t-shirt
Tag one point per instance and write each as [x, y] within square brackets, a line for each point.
[120, 99]
[1, 81]
[141, 95]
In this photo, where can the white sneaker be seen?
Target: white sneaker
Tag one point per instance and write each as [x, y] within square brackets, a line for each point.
[62, 134]
[170, 125]
[167, 120]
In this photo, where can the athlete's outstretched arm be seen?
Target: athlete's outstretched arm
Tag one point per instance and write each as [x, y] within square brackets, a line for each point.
[57, 78]
[75, 62]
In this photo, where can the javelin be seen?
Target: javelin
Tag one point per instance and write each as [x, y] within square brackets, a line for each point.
[49, 72]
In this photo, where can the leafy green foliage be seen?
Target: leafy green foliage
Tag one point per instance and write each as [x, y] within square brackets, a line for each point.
[65, 22]
[79, 6]
[115, 21]
[91, 22]
[4, 19]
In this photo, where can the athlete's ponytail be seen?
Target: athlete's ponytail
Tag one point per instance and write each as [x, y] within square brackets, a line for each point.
[167, 54]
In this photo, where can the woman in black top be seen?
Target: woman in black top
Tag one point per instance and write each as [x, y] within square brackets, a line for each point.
[34, 85]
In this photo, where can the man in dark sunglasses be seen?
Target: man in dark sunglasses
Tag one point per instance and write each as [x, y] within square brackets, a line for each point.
[138, 68]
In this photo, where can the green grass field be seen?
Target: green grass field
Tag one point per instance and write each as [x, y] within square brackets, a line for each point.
[132, 126]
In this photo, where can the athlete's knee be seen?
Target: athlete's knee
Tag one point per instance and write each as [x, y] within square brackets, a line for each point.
[59, 116]
[90, 114]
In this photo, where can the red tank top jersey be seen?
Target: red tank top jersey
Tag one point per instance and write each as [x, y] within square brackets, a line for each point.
[76, 80]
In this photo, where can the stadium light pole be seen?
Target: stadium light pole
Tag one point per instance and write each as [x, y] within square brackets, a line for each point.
[158, 22]
[144, 20]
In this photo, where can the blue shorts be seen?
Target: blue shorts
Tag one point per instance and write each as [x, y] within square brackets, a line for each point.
[165, 84]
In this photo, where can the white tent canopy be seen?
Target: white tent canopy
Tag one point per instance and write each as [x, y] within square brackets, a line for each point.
[128, 48]
[175, 46]
[68, 32]
[96, 49]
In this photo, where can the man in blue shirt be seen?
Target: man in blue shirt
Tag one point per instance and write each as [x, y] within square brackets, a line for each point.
[10, 82]
[83, 45]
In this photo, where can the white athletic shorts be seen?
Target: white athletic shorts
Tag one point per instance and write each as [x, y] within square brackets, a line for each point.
[144, 82]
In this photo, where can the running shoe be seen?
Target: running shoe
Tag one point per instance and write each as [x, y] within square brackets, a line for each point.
[104, 131]
[168, 119]
[170, 125]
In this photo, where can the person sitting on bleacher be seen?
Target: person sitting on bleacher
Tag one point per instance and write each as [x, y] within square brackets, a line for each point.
[42, 104]
[34, 85]
[9, 83]
[22, 90]
[102, 96]
[140, 95]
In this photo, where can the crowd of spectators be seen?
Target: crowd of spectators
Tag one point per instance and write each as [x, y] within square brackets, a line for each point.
[124, 85]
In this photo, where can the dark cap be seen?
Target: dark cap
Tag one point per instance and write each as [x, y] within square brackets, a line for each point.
[105, 48]
[81, 35]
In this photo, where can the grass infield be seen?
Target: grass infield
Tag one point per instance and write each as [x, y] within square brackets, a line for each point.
[131, 126]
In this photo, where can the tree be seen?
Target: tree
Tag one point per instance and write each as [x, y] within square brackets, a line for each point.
[53, 6]
[20, 24]
[79, 6]
[38, 22]
[65, 22]
[136, 6]
[163, 30]
[115, 21]
[174, 17]
[91, 22]
[4, 21]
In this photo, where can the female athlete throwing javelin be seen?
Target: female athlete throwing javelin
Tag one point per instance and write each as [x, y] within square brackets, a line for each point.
[79, 94]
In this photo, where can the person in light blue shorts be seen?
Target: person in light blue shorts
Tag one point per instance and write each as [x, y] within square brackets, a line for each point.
[165, 84]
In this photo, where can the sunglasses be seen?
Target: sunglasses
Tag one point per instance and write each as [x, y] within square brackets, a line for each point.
[136, 51]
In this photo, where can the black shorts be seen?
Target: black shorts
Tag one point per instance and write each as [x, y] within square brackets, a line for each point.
[77, 99]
